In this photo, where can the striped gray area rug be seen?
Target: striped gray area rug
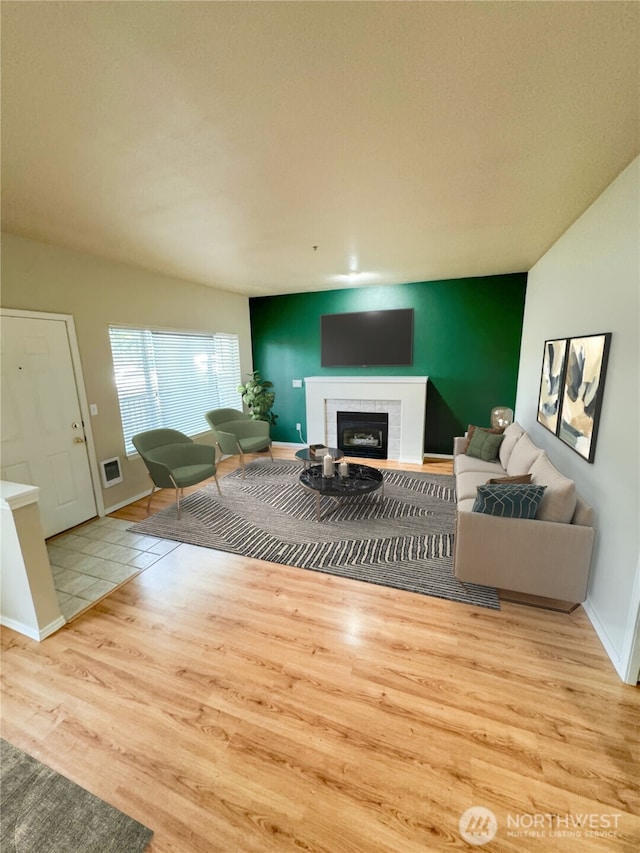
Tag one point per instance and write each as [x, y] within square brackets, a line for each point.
[400, 537]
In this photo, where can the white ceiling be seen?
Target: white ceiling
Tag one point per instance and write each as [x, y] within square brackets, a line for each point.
[220, 142]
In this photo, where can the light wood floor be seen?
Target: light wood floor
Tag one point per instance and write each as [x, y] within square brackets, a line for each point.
[233, 705]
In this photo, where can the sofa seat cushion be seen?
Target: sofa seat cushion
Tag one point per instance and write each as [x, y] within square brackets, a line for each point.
[560, 497]
[466, 505]
[509, 500]
[464, 463]
[512, 434]
[523, 456]
[467, 484]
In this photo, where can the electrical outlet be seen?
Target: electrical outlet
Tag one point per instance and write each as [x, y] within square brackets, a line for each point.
[298, 426]
[296, 383]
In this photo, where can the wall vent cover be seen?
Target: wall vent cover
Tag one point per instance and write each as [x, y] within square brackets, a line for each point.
[111, 472]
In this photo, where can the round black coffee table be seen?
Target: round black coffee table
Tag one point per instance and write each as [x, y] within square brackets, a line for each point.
[361, 480]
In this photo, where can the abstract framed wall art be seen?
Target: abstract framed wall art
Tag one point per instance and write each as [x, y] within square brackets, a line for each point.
[582, 389]
[551, 383]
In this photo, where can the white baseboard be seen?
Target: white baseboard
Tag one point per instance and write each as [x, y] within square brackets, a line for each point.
[296, 444]
[604, 638]
[33, 633]
[631, 646]
[627, 660]
[437, 455]
[126, 503]
[52, 627]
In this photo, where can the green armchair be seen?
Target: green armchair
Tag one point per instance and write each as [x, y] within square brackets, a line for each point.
[237, 433]
[173, 460]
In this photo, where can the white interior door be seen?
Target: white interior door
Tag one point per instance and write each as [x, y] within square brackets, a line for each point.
[42, 434]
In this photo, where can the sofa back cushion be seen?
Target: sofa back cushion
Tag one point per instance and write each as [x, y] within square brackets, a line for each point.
[559, 501]
[583, 514]
[523, 456]
[511, 435]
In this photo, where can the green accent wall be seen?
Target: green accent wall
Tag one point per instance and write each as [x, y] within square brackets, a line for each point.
[466, 340]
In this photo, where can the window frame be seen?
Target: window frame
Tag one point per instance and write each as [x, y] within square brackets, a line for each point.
[152, 397]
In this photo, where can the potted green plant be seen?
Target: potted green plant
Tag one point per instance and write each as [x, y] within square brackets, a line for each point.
[258, 398]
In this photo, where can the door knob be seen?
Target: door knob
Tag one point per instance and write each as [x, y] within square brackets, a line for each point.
[78, 440]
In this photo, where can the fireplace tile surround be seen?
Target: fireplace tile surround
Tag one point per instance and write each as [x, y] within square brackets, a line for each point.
[404, 398]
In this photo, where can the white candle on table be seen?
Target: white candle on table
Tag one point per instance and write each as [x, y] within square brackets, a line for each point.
[344, 469]
[327, 465]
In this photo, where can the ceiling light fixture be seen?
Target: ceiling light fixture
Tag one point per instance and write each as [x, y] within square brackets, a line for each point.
[356, 277]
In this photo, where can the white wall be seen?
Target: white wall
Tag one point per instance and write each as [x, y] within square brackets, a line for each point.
[97, 292]
[589, 282]
[29, 601]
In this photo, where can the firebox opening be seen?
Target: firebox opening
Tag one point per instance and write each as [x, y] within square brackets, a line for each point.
[363, 434]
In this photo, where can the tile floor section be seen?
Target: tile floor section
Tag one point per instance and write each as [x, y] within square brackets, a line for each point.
[90, 561]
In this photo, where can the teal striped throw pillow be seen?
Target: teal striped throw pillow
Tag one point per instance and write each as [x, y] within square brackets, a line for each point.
[509, 500]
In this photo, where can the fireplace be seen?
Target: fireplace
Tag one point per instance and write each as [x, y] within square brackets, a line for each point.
[403, 398]
[363, 434]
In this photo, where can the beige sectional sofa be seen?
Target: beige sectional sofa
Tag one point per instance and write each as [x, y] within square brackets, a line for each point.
[549, 555]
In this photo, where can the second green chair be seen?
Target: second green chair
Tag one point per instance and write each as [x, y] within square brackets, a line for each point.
[237, 433]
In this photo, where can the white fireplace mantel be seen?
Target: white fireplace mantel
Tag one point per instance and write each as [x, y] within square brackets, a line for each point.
[403, 397]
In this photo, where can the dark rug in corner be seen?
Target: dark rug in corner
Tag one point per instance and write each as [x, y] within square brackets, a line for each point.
[403, 539]
[42, 812]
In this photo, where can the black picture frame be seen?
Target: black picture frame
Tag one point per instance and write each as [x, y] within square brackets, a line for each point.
[554, 360]
[585, 371]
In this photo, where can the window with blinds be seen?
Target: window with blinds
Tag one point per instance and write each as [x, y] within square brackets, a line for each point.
[170, 379]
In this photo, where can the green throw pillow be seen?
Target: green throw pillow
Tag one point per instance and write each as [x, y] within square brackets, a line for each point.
[509, 500]
[484, 445]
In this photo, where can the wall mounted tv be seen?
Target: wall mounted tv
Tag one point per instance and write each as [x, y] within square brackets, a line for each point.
[367, 338]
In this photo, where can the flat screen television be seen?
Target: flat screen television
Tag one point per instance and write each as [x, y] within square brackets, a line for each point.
[367, 338]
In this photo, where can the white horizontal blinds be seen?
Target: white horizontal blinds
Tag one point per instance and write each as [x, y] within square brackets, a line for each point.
[186, 383]
[170, 379]
[135, 380]
[226, 367]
